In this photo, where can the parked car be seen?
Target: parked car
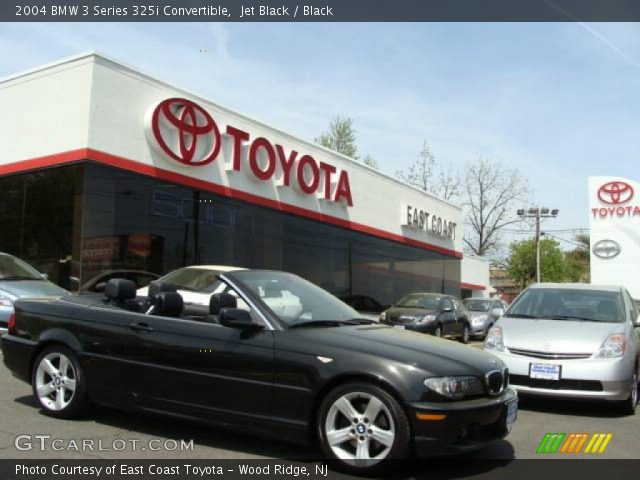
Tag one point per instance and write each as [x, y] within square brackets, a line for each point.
[483, 312]
[17, 280]
[367, 392]
[438, 314]
[140, 277]
[196, 283]
[571, 340]
[368, 307]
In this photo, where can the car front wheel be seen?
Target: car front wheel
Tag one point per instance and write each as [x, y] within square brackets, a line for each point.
[58, 382]
[464, 338]
[362, 427]
[629, 405]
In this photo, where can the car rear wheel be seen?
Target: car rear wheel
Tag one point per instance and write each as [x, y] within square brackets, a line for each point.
[361, 426]
[464, 338]
[58, 382]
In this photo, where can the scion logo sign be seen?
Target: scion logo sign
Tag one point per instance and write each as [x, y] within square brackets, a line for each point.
[606, 249]
[185, 132]
[615, 193]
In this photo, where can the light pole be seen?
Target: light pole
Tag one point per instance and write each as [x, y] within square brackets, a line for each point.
[538, 213]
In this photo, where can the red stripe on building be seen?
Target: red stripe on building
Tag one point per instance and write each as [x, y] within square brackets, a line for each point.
[148, 170]
[472, 286]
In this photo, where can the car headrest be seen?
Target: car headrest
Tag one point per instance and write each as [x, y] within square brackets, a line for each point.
[168, 304]
[219, 301]
[120, 289]
[158, 286]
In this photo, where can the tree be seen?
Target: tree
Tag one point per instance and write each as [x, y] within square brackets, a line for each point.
[422, 174]
[578, 260]
[521, 265]
[370, 161]
[341, 137]
[493, 193]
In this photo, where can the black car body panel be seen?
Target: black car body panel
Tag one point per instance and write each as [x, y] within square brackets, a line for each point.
[268, 381]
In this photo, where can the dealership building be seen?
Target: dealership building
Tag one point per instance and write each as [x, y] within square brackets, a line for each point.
[614, 212]
[105, 168]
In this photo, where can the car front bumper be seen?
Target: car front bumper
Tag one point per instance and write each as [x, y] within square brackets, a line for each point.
[5, 313]
[467, 425]
[17, 354]
[590, 378]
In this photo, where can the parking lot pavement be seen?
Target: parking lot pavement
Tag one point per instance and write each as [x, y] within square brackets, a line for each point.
[19, 415]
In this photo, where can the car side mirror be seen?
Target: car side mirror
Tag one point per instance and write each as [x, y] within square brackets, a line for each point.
[447, 309]
[497, 312]
[238, 318]
[44, 275]
[100, 287]
[638, 321]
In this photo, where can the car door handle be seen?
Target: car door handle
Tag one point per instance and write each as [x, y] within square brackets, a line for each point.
[140, 327]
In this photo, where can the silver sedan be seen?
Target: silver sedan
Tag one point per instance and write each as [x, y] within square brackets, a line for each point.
[571, 340]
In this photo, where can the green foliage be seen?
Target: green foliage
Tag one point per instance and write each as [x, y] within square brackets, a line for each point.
[521, 265]
[341, 137]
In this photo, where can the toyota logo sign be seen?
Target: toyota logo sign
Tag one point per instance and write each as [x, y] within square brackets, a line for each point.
[184, 131]
[615, 193]
[606, 249]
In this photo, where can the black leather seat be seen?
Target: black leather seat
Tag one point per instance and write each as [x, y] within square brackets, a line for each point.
[168, 304]
[155, 288]
[217, 302]
[122, 293]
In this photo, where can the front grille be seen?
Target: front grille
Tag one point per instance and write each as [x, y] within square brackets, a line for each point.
[549, 355]
[562, 384]
[401, 319]
[496, 381]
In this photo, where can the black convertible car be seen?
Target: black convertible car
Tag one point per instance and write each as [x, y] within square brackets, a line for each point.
[293, 363]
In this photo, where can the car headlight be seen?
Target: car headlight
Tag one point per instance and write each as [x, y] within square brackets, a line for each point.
[614, 346]
[5, 301]
[494, 340]
[455, 387]
[479, 320]
[428, 318]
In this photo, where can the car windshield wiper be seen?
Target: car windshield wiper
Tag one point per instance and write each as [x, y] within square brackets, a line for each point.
[361, 321]
[572, 317]
[326, 323]
[18, 277]
[410, 306]
[523, 315]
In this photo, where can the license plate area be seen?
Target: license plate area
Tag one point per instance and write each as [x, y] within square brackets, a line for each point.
[545, 371]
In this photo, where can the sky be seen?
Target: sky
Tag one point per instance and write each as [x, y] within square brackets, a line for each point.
[560, 102]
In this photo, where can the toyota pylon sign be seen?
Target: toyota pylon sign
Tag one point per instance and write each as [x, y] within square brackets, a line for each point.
[614, 207]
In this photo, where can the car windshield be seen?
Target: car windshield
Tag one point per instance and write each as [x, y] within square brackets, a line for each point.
[294, 300]
[193, 279]
[569, 304]
[478, 305]
[12, 268]
[419, 300]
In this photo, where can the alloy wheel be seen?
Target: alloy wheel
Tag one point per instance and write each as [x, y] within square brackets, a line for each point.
[438, 332]
[465, 334]
[359, 427]
[55, 381]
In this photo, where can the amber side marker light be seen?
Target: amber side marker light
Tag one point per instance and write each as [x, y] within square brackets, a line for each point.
[430, 416]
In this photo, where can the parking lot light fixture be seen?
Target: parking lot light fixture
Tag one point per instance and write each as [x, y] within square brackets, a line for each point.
[538, 213]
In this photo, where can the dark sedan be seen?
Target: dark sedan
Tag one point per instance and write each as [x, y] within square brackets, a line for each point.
[435, 313]
[367, 392]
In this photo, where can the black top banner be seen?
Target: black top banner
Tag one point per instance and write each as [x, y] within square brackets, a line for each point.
[320, 10]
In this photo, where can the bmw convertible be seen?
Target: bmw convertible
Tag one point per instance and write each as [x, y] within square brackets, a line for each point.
[313, 372]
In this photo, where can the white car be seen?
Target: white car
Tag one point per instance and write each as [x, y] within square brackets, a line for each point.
[196, 283]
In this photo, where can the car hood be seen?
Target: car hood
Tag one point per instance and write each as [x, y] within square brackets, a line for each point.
[431, 354]
[31, 288]
[556, 336]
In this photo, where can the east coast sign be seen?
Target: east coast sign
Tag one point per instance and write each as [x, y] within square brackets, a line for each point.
[184, 132]
[430, 222]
